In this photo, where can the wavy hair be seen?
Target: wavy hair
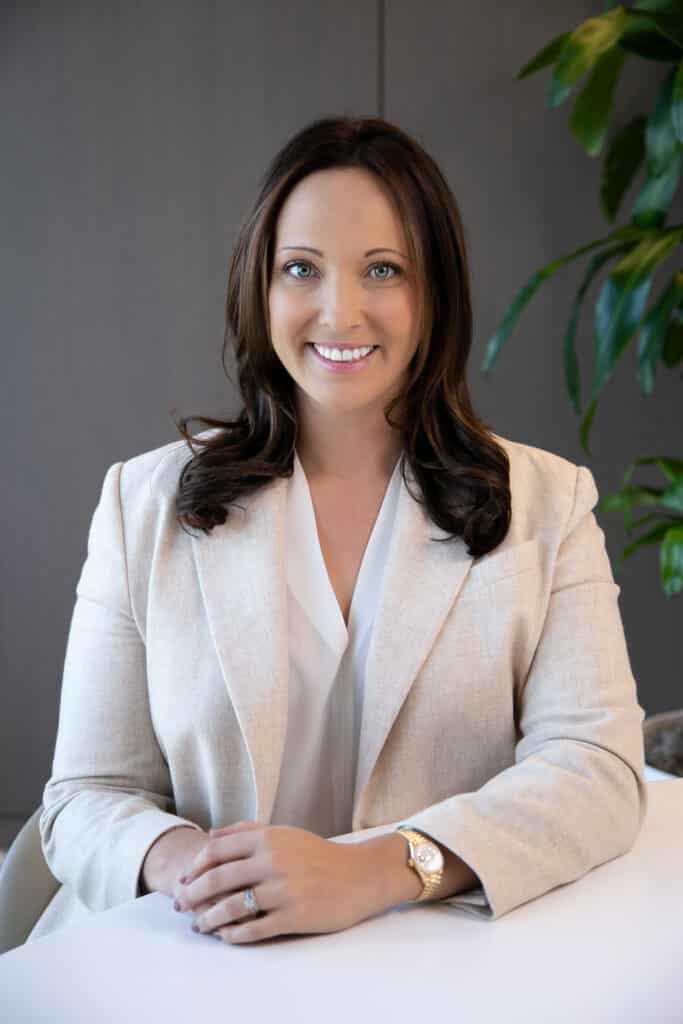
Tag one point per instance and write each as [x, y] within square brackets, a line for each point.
[461, 470]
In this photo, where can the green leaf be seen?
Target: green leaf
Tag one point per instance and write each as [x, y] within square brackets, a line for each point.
[649, 44]
[677, 103]
[547, 55]
[661, 143]
[582, 49]
[674, 7]
[654, 199]
[671, 561]
[631, 495]
[672, 352]
[622, 300]
[664, 157]
[669, 23]
[571, 368]
[512, 315]
[556, 93]
[653, 332]
[670, 466]
[586, 424]
[624, 156]
[650, 248]
[593, 104]
[628, 497]
[651, 537]
[657, 516]
[668, 528]
[673, 497]
[617, 315]
[629, 232]
[642, 37]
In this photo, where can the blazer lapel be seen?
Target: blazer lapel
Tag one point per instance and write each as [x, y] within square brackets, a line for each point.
[241, 569]
[421, 581]
[242, 572]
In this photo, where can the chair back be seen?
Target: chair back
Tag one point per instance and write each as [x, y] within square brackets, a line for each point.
[26, 885]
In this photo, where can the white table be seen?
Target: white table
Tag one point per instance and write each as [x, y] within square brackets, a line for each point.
[606, 949]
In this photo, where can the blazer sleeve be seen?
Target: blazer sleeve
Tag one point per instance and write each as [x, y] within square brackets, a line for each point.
[575, 796]
[110, 795]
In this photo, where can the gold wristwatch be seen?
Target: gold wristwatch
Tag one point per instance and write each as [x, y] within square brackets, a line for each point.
[426, 859]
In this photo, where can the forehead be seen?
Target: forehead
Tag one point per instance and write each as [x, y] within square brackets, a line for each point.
[339, 203]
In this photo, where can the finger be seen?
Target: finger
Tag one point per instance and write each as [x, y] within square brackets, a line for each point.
[231, 909]
[216, 882]
[219, 850]
[200, 908]
[238, 826]
[256, 929]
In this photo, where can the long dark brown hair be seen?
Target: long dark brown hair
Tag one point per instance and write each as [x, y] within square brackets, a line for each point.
[462, 472]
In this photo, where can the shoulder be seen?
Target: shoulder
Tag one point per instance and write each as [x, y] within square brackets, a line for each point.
[547, 489]
[531, 464]
[152, 476]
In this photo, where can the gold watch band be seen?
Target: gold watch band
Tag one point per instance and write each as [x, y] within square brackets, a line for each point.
[430, 884]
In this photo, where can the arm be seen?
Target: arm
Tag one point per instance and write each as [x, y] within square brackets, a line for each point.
[575, 796]
[110, 795]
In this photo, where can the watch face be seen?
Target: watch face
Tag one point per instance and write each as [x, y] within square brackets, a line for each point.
[429, 857]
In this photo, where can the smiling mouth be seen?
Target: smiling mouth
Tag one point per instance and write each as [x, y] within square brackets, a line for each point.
[339, 348]
[344, 363]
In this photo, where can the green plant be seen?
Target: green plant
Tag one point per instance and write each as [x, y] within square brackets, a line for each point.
[651, 31]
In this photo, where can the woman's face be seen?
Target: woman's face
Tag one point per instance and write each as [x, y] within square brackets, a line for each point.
[343, 294]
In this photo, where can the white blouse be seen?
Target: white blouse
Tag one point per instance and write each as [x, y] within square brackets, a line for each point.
[326, 666]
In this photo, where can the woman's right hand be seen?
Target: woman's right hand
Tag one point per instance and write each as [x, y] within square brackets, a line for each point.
[169, 857]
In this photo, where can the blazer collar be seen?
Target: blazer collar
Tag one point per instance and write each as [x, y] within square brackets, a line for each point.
[245, 559]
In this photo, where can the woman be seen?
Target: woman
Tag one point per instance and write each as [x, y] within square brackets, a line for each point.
[354, 608]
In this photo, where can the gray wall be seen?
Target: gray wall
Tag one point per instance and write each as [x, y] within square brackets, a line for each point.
[134, 135]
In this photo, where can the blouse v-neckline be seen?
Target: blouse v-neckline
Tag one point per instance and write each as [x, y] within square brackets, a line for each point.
[307, 573]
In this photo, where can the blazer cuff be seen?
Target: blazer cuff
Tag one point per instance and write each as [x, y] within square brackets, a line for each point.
[104, 872]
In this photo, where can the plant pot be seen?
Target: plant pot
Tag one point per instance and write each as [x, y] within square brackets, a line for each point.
[663, 736]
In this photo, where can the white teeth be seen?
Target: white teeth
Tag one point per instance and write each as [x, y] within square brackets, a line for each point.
[346, 355]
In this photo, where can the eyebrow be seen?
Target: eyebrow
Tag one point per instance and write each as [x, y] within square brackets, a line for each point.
[308, 248]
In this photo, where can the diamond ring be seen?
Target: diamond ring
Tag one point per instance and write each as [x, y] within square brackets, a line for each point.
[250, 904]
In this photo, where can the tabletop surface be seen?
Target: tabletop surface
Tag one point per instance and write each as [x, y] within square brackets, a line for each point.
[606, 949]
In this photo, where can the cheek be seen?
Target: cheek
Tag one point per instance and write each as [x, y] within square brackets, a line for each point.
[399, 315]
[284, 311]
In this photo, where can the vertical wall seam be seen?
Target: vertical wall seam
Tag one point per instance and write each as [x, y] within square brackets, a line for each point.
[381, 45]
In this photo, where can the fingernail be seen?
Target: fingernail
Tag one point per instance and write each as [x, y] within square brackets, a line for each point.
[176, 905]
[195, 928]
[183, 879]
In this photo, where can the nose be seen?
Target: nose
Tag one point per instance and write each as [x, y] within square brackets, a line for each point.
[341, 302]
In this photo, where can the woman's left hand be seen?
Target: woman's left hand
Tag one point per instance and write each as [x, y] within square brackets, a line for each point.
[302, 883]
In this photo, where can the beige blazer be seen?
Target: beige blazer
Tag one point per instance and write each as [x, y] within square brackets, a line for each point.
[500, 713]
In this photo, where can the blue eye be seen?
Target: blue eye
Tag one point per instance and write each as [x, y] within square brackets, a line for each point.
[392, 266]
[304, 263]
[296, 263]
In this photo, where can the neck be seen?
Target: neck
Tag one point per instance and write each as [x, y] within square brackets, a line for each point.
[350, 448]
